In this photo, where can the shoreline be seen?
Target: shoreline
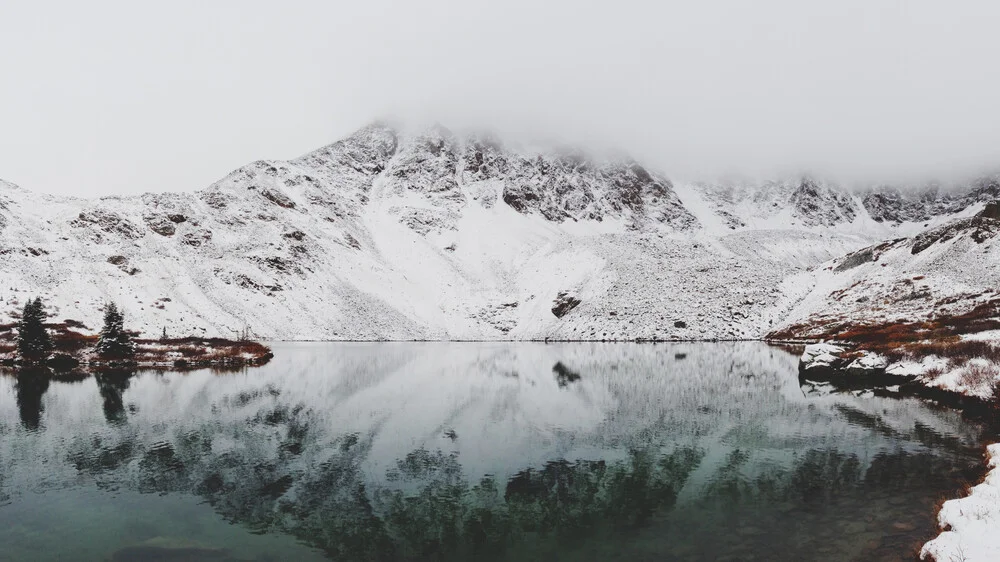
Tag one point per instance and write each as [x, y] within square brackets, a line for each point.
[968, 524]
[73, 353]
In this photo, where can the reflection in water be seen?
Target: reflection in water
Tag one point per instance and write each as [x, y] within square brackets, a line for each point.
[111, 385]
[30, 386]
[438, 451]
[564, 375]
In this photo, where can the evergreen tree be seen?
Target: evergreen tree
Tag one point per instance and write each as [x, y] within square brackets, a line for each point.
[33, 341]
[115, 342]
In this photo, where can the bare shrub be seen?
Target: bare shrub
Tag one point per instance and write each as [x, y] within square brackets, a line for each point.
[976, 375]
[934, 373]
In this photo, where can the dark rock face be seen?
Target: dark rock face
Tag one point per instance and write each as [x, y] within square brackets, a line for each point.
[891, 205]
[818, 205]
[278, 198]
[991, 211]
[355, 161]
[108, 222]
[680, 324]
[894, 205]
[216, 199]
[865, 255]
[564, 303]
[978, 228]
[160, 224]
[117, 260]
[571, 186]
[985, 189]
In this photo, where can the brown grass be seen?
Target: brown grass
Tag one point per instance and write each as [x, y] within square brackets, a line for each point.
[903, 339]
[200, 351]
[64, 339]
[194, 351]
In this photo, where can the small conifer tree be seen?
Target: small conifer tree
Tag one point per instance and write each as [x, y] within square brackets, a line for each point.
[33, 341]
[115, 342]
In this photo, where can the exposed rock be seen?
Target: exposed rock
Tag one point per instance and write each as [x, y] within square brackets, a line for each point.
[991, 211]
[160, 224]
[564, 302]
[866, 255]
[352, 241]
[117, 260]
[979, 228]
[197, 238]
[107, 221]
[216, 198]
[570, 185]
[278, 198]
[818, 205]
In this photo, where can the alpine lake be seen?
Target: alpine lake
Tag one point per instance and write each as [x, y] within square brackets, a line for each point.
[475, 451]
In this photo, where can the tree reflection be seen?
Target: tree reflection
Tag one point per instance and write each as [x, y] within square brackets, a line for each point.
[111, 385]
[31, 384]
[651, 460]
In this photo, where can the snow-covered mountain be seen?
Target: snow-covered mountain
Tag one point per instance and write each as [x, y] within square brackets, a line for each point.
[944, 272]
[390, 234]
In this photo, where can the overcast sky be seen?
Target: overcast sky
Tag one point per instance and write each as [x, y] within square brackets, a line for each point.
[104, 97]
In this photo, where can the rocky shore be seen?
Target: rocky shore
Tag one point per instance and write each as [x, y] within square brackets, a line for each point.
[969, 524]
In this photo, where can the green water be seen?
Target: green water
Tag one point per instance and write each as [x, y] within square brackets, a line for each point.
[474, 451]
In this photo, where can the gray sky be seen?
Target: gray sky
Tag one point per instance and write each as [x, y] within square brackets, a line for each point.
[108, 97]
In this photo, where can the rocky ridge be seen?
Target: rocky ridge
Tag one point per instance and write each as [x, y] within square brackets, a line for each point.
[390, 234]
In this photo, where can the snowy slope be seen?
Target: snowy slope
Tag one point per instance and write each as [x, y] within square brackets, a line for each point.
[393, 234]
[941, 272]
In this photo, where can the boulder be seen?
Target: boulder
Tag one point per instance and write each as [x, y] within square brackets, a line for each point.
[160, 224]
[820, 355]
[564, 302]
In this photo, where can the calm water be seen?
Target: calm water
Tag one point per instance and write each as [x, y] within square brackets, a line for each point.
[474, 451]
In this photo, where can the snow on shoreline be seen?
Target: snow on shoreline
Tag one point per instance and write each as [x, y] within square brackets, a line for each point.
[971, 525]
[971, 521]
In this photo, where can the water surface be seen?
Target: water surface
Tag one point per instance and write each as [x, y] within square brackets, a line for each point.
[582, 451]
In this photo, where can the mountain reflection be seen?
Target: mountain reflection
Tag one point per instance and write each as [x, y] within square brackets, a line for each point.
[412, 451]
